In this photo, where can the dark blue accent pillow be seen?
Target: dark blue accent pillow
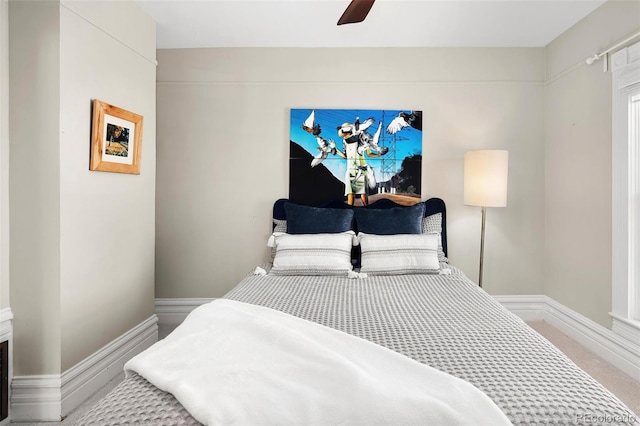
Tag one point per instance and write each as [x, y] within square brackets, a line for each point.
[396, 220]
[317, 220]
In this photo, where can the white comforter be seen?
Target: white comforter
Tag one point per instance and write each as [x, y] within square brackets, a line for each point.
[236, 363]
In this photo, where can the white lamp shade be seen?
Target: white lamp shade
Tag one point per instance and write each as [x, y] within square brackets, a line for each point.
[485, 178]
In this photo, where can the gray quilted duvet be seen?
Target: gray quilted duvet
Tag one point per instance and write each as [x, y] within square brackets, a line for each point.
[444, 321]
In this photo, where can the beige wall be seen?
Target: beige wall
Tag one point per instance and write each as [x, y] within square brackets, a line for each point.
[4, 154]
[223, 120]
[107, 227]
[82, 243]
[34, 102]
[578, 162]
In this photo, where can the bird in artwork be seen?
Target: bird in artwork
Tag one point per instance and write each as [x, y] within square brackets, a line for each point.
[361, 127]
[369, 141]
[371, 177]
[310, 126]
[404, 120]
[324, 147]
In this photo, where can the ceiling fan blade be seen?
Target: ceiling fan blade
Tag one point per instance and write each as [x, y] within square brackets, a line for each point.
[356, 11]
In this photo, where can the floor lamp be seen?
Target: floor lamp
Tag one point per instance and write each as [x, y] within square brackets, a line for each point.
[485, 185]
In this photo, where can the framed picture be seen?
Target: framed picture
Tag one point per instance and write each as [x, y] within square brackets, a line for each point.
[359, 154]
[116, 139]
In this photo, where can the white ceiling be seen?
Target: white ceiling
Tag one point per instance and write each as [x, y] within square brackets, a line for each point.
[391, 23]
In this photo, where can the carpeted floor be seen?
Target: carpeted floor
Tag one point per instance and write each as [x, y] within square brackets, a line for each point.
[618, 383]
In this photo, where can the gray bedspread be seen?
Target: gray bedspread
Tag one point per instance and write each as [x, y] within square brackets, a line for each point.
[444, 321]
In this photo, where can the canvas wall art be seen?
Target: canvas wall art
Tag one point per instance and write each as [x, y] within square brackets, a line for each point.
[358, 154]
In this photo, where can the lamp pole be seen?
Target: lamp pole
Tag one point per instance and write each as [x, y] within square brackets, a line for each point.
[484, 219]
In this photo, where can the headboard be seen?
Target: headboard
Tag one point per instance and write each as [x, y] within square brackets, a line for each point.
[432, 206]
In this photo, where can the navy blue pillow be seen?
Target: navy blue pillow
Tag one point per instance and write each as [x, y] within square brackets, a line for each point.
[396, 220]
[317, 220]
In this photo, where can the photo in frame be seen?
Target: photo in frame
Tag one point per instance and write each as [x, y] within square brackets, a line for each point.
[116, 139]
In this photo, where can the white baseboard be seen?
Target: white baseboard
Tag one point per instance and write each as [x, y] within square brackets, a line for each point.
[626, 328]
[612, 347]
[51, 397]
[87, 377]
[171, 312]
[529, 308]
[36, 398]
[6, 334]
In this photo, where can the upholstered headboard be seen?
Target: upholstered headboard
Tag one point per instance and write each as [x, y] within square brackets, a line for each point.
[432, 206]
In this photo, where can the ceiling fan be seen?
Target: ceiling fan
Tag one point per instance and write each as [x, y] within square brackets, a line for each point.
[356, 12]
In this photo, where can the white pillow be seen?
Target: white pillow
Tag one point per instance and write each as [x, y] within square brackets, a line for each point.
[312, 254]
[432, 224]
[399, 254]
[279, 225]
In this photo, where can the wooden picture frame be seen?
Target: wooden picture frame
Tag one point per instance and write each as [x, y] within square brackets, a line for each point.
[116, 139]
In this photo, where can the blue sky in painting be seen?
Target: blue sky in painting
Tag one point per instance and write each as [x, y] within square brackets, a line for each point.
[408, 140]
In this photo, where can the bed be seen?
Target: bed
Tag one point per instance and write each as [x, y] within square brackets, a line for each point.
[433, 316]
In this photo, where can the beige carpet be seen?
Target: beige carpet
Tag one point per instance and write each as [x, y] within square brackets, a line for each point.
[618, 383]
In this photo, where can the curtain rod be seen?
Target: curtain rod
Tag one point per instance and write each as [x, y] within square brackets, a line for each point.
[591, 59]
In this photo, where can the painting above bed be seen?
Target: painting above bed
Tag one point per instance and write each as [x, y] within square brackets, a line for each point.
[359, 154]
